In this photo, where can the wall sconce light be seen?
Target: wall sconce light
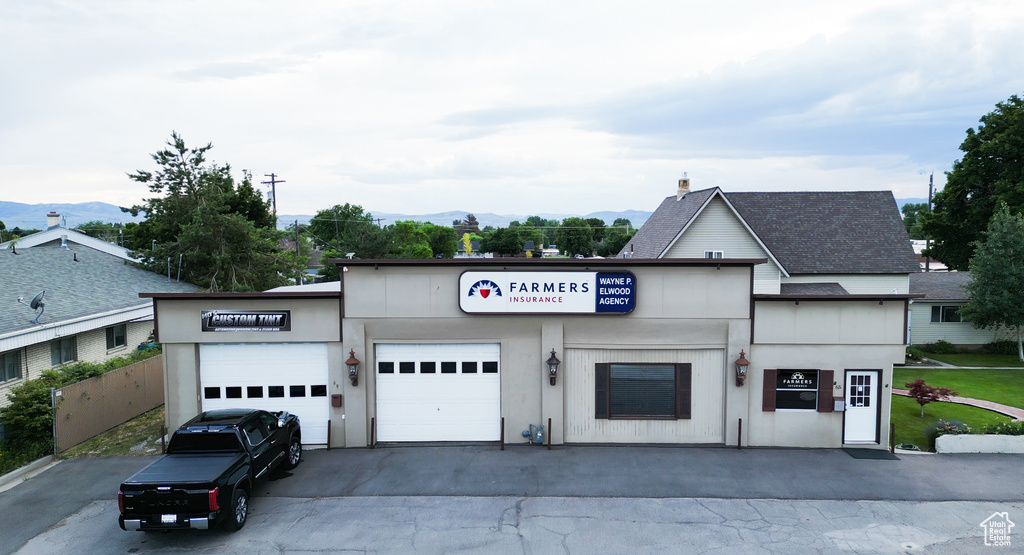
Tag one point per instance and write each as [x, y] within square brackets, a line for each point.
[553, 363]
[353, 367]
[741, 368]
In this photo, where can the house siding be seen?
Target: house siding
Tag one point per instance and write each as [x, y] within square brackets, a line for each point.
[859, 284]
[717, 228]
[924, 331]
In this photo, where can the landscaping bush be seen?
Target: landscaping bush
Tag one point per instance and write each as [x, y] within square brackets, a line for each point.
[913, 353]
[1011, 428]
[944, 427]
[940, 347]
[1003, 347]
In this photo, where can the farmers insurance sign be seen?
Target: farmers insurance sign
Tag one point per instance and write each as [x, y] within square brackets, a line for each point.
[247, 320]
[547, 292]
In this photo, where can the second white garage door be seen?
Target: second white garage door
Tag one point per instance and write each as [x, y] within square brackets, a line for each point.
[269, 376]
[438, 392]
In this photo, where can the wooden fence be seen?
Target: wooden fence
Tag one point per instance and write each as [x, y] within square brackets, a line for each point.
[91, 407]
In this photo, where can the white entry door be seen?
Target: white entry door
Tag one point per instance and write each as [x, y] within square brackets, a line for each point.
[438, 392]
[860, 423]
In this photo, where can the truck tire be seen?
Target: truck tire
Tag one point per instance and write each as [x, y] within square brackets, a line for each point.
[294, 454]
[239, 510]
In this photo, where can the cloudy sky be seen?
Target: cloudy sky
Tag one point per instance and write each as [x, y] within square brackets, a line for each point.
[507, 107]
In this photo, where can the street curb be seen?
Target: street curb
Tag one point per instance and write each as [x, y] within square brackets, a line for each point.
[15, 477]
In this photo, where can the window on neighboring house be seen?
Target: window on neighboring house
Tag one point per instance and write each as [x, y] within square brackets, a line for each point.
[809, 390]
[117, 336]
[714, 254]
[10, 366]
[63, 350]
[947, 313]
[642, 391]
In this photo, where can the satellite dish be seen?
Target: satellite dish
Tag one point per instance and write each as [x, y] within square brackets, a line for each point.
[36, 304]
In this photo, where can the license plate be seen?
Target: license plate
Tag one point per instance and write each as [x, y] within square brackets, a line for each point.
[168, 519]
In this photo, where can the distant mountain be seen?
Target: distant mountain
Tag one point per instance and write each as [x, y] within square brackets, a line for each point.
[33, 216]
[635, 217]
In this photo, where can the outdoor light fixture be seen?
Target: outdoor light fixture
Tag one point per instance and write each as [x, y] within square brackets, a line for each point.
[553, 363]
[353, 367]
[741, 368]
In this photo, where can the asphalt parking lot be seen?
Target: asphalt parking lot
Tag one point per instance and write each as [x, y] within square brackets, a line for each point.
[528, 499]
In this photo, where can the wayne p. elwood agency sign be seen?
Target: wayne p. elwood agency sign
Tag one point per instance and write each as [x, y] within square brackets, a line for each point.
[547, 292]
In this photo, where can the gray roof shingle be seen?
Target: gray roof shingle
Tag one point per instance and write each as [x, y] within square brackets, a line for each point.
[812, 289]
[940, 286]
[853, 232]
[96, 283]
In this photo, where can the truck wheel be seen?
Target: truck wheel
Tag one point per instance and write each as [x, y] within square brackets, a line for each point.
[239, 510]
[294, 454]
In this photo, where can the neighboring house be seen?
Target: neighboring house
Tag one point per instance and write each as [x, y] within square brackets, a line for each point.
[830, 300]
[91, 309]
[57, 235]
[927, 264]
[936, 315]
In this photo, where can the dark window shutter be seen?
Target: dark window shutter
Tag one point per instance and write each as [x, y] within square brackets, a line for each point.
[683, 377]
[768, 390]
[601, 391]
[825, 403]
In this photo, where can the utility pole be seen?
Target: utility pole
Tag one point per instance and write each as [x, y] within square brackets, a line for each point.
[273, 191]
[927, 242]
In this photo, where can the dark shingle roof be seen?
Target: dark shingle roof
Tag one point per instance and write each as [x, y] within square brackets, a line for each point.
[812, 289]
[96, 283]
[854, 232]
[858, 232]
[665, 223]
[944, 286]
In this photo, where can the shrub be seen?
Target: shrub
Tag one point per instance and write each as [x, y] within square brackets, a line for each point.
[940, 347]
[913, 353]
[1008, 428]
[942, 428]
[1003, 347]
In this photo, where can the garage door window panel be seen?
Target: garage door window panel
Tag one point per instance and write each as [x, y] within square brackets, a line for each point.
[233, 392]
[275, 391]
[428, 368]
[211, 393]
[448, 367]
[642, 391]
[469, 367]
[318, 391]
[254, 392]
[297, 391]
[407, 367]
[385, 367]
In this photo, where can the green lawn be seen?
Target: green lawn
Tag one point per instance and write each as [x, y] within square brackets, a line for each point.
[1004, 386]
[906, 415]
[978, 360]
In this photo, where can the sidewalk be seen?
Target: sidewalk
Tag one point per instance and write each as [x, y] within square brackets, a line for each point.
[1012, 412]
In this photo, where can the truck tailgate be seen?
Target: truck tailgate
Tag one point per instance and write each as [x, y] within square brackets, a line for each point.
[185, 469]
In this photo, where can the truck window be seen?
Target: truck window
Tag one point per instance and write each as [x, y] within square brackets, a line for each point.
[254, 431]
[204, 443]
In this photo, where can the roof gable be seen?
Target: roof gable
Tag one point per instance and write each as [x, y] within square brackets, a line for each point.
[73, 236]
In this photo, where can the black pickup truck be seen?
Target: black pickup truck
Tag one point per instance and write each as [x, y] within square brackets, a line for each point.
[208, 473]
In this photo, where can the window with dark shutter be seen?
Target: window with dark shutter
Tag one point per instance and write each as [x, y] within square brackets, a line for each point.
[644, 391]
[768, 390]
[825, 403]
[601, 391]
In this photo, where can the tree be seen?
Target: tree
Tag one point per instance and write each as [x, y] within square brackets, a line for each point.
[346, 228]
[924, 393]
[912, 218]
[111, 233]
[574, 237]
[616, 237]
[996, 287]
[468, 225]
[410, 240]
[547, 227]
[443, 241]
[991, 171]
[218, 234]
[504, 241]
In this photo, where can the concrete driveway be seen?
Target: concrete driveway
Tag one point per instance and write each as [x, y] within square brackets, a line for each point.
[575, 499]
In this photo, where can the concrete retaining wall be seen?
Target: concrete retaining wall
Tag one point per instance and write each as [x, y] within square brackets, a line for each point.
[988, 443]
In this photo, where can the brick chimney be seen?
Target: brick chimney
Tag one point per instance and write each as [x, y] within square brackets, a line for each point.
[684, 187]
[52, 219]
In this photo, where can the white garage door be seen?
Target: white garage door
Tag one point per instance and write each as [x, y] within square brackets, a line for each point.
[438, 392]
[269, 376]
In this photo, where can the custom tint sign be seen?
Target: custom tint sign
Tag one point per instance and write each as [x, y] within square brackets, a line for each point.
[247, 320]
[547, 292]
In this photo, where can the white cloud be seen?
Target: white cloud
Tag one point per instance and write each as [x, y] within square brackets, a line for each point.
[500, 107]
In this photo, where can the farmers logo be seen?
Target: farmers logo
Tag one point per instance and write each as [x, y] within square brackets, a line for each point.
[484, 289]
